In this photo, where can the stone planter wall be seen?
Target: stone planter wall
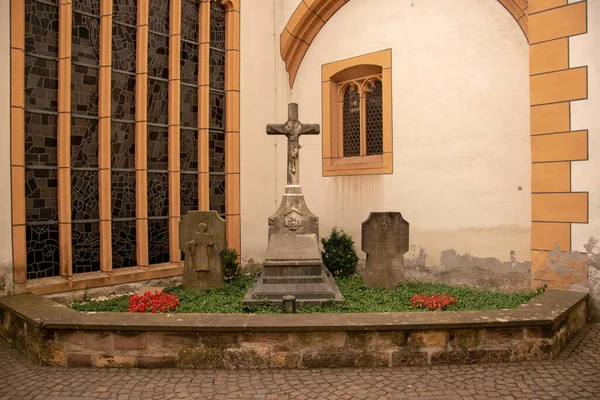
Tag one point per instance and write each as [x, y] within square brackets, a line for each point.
[54, 335]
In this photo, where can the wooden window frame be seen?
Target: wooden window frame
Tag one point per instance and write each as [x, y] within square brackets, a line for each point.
[335, 77]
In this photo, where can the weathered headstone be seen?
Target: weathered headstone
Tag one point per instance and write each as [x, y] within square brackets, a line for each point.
[385, 240]
[293, 264]
[202, 238]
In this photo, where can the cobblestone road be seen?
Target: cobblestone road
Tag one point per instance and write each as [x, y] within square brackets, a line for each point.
[575, 374]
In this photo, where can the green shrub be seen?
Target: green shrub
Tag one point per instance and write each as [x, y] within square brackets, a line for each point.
[231, 266]
[339, 254]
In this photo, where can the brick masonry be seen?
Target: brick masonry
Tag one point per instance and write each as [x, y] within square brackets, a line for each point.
[538, 330]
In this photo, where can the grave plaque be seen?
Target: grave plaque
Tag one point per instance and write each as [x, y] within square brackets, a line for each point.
[385, 240]
[202, 238]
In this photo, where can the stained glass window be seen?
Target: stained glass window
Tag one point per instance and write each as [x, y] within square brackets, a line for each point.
[351, 118]
[374, 118]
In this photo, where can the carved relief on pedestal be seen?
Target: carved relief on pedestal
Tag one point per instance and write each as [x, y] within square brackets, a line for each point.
[293, 220]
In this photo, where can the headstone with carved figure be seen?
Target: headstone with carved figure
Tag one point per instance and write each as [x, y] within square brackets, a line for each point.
[385, 240]
[201, 239]
[293, 264]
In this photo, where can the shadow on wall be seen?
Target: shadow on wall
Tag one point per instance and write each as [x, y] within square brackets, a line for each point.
[593, 249]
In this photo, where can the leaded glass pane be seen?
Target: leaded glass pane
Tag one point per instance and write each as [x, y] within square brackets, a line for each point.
[84, 143]
[189, 106]
[40, 139]
[217, 69]
[158, 194]
[217, 110]
[84, 90]
[159, 16]
[125, 11]
[84, 195]
[188, 149]
[123, 96]
[122, 145]
[41, 84]
[158, 56]
[86, 247]
[124, 244]
[41, 28]
[217, 25]
[158, 241]
[123, 47]
[85, 45]
[123, 194]
[41, 195]
[217, 193]
[351, 124]
[87, 6]
[189, 192]
[189, 20]
[42, 251]
[216, 146]
[158, 148]
[374, 119]
[158, 95]
[189, 63]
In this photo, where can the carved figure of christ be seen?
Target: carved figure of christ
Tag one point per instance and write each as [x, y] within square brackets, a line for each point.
[293, 129]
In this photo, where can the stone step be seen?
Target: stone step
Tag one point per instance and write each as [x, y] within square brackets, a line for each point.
[293, 279]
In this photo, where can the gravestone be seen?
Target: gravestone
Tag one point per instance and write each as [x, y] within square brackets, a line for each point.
[202, 238]
[293, 264]
[385, 240]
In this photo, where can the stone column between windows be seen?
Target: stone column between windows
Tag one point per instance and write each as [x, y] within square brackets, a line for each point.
[174, 127]
[17, 139]
[203, 106]
[65, 20]
[104, 134]
[141, 134]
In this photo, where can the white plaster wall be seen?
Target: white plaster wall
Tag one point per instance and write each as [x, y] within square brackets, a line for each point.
[461, 126]
[5, 198]
[583, 50]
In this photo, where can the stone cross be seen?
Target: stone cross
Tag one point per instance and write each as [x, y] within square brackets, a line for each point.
[292, 129]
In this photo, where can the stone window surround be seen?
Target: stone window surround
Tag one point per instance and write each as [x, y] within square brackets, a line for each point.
[334, 164]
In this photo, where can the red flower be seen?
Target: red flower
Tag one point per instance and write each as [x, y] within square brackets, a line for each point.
[153, 302]
[433, 302]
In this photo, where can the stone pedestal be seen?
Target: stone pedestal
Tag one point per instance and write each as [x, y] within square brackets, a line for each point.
[293, 264]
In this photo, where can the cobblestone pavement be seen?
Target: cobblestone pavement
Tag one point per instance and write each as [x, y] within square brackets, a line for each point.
[574, 374]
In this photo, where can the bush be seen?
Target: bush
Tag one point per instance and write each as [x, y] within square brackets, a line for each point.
[339, 254]
[231, 266]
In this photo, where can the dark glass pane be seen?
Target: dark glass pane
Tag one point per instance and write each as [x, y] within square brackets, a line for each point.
[86, 247]
[41, 28]
[158, 194]
[42, 251]
[217, 25]
[158, 148]
[189, 192]
[159, 16]
[189, 106]
[217, 69]
[40, 139]
[124, 244]
[351, 125]
[189, 20]
[41, 84]
[86, 38]
[189, 63]
[88, 6]
[123, 194]
[84, 90]
[217, 110]
[158, 56]
[189, 150]
[123, 96]
[217, 193]
[123, 47]
[41, 195]
[84, 143]
[84, 195]
[125, 11]
[216, 146]
[122, 145]
[374, 119]
[158, 95]
[158, 241]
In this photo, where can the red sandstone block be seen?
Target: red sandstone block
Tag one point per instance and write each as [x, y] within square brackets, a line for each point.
[539, 332]
[79, 360]
[77, 337]
[503, 334]
[114, 361]
[136, 341]
[98, 340]
[421, 339]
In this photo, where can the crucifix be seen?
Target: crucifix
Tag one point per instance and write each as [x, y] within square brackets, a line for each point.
[292, 129]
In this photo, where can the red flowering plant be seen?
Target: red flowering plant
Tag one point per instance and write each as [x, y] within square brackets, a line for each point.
[433, 302]
[156, 302]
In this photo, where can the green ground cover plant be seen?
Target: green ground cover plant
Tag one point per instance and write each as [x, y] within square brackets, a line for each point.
[359, 299]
